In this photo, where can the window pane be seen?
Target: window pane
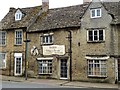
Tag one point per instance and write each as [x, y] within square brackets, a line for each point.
[2, 37]
[2, 60]
[90, 36]
[93, 13]
[100, 34]
[18, 37]
[43, 39]
[50, 38]
[98, 12]
[47, 39]
[45, 67]
[95, 35]
[97, 68]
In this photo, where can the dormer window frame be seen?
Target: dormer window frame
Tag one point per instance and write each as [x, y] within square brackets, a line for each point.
[18, 15]
[95, 12]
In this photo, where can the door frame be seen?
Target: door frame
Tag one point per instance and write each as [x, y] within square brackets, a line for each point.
[17, 55]
[67, 68]
[118, 69]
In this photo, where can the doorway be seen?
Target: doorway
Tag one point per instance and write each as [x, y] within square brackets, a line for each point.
[63, 69]
[18, 64]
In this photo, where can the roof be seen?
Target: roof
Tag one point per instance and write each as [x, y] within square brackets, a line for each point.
[8, 22]
[113, 9]
[55, 18]
[60, 18]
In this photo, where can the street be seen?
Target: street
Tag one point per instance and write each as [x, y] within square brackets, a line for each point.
[10, 84]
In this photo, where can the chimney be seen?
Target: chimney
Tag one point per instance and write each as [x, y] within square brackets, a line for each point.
[45, 5]
[86, 1]
[11, 9]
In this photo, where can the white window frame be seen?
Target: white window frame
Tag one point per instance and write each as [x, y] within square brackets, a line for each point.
[4, 60]
[96, 13]
[46, 39]
[2, 39]
[16, 42]
[18, 15]
[98, 39]
[93, 74]
[45, 66]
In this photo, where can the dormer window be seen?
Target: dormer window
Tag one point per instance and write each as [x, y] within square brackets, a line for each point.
[18, 15]
[95, 13]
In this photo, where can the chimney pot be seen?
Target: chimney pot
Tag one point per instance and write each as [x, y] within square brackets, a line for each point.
[11, 9]
[45, 5]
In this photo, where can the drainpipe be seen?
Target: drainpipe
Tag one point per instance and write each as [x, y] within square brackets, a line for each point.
[26, 55]
[10, 65]
[70, 52]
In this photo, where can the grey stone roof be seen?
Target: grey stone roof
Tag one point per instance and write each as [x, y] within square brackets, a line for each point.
[8, 22]
[55, 18]
[113, 9]
[60, 18]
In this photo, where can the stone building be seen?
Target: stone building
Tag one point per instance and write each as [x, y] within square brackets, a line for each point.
[78, 42]
[13, 33]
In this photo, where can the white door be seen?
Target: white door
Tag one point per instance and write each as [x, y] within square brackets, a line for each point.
[63, 69]
[18, 64]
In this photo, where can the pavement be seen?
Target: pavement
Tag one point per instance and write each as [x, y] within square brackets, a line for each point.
[59, 82]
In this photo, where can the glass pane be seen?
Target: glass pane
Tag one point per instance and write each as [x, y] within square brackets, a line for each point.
[18, 65]
[18, 37]
[45, 67]
[93, 13]
[43, 39]
[51, 39]
[2, 38]
[90, 36]
[2, 60]
[98, 12]
[47, 39]
[100, 34]
[95, 35]
[97, 61]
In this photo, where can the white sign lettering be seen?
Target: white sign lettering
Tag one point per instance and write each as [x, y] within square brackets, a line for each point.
[54, 49]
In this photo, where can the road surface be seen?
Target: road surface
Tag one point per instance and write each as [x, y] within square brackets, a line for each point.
[10, 84]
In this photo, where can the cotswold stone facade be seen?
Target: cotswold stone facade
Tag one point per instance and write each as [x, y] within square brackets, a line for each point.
[94, 28]
[10, 49]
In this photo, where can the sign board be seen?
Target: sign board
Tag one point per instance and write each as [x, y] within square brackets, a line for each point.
[54, 49]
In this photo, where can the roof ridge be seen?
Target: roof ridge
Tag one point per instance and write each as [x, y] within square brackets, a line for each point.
[29, 7]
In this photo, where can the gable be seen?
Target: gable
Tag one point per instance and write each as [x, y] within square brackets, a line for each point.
[88, 22]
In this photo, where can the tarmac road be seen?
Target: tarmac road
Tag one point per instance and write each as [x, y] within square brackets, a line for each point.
[30, 86]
